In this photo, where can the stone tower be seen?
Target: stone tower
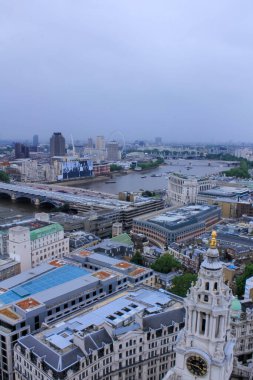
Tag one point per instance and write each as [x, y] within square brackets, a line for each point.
[204, 348]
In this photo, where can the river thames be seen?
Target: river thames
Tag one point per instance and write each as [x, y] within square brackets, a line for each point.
[132, 182]
[135, 181]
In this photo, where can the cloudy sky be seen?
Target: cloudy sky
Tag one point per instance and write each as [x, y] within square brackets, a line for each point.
[179, 69]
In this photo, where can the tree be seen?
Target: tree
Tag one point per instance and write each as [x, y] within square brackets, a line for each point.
[137, 258]
[181, 284]
[165, 264]
[241, 280]
[4, 177]
[115, 167]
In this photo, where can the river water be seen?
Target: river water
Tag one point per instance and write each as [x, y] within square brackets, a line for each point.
[135, 182]
[130, 182]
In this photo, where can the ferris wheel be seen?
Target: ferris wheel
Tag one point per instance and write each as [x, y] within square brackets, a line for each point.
[119, 137]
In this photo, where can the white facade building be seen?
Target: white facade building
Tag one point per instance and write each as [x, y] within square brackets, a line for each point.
[120, 340]
[184, 189]
[33, 247]
[205, 346]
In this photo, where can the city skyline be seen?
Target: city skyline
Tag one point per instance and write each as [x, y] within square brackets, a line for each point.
[181, 70]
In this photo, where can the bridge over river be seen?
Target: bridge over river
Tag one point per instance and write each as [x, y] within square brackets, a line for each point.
[40, 195]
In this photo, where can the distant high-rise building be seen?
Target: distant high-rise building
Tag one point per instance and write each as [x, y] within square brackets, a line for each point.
[21, 151]
[90, 143]
[100, 142]
[35, 140]
[57, 145]
[112, 151]
[158, 141]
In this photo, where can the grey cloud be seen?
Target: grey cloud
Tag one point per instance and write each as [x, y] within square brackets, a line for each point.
[178, 69]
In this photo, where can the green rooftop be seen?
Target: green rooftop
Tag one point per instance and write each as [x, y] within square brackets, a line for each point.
[44, 231]
[123, 238]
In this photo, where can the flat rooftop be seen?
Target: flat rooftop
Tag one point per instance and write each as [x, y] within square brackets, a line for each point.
[38, 229]
[115, 313]
[103, 275]
[225, 191]
[33, 224]
[56, 276]
[174, 218]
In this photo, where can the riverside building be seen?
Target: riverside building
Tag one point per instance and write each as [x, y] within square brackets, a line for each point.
[178, 225]
[184, 189]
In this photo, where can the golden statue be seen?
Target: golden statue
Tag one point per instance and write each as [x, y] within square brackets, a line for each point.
[213, 242]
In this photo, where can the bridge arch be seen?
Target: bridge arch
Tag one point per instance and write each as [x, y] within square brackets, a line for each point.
[48, 204]
[23, 199]
[5, 195]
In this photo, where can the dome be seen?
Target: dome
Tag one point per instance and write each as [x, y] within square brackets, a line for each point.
[236, 305]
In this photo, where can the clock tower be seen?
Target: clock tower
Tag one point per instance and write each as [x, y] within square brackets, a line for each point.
[204, 347]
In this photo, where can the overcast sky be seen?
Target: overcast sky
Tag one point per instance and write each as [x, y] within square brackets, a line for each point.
[180, 69]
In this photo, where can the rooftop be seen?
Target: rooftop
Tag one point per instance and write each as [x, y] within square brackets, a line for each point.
[7, 312]
[172, 219]
[28, 304]
[103, 275]
[225, 191]
[46, 230]
[136, 272]
[56, 276]
[122, 238]
[56, 345]
[115, 313]
[123, 265]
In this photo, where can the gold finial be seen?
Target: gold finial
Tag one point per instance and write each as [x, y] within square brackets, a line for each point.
[213, 241]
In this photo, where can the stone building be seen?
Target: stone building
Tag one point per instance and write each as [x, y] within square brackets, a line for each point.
[129, 338]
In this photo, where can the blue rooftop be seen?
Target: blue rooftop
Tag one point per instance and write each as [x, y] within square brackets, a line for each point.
[46, 281]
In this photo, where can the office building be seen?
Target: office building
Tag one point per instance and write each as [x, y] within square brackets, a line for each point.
[21, 151]
[34, 241]
[131, 337]
[165, 227]
[112, 151]
[100, 142]
[8, 268]
[35, 141]
[90, 143]
[234, 201]
[184, 189]
[158, 141]
[55, 289]
[57, 145]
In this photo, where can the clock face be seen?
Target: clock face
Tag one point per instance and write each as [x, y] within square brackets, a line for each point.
[196, 365]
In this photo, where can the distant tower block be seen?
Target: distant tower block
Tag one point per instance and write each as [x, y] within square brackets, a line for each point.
[113, 151]
[117, 229]
[35, 140]
[57, 145]
[100, 142]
